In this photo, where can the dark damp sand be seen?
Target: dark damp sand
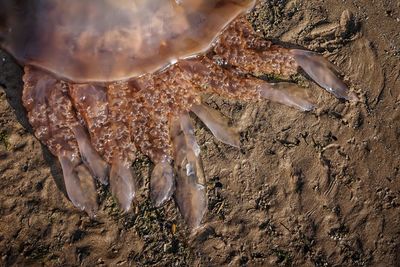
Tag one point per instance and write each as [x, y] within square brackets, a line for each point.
[306, 189]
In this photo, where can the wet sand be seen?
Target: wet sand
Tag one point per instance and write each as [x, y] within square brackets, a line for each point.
[306, 189]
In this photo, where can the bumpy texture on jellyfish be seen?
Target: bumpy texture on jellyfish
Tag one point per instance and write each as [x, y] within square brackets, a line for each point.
[98, 129]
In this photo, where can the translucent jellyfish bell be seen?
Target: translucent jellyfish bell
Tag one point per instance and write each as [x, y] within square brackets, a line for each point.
[109, 40]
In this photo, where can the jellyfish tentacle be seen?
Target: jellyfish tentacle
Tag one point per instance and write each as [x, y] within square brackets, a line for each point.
[190, 193]
[149, 112]
[103, 111]
[92, 105]
[137, 105]
[289, 94]
[79, 184]
[122, 180]
[162, 182]
[252, 54]
[323, 73]
[217, 124]
[148, 129]
[122, 183]
[52, 117]
[97, 166]
[230, 84]
[240, 47]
